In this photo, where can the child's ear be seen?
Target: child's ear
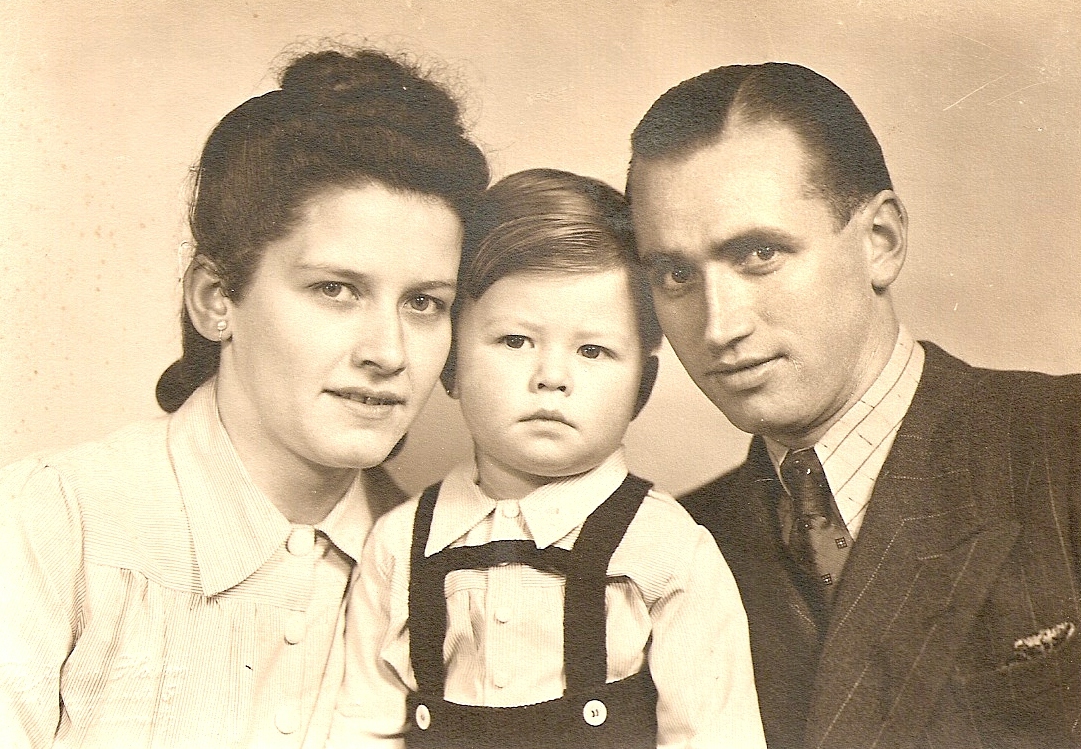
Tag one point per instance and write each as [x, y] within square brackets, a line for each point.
[449, 375]
[650, 367]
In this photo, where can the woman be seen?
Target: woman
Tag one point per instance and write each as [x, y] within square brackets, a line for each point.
[180, 583]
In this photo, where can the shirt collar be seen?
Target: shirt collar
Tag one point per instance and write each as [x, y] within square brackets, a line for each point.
[347, 525]
[871, 419]
[549, 512]
[235, 528]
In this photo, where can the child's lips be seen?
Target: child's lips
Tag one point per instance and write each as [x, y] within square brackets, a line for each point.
[548, 415]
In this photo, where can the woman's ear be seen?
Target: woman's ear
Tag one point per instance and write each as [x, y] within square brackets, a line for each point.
[204, 297]
[886, 222]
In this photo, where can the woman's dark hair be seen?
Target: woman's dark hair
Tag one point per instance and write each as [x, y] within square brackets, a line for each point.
[338, 120]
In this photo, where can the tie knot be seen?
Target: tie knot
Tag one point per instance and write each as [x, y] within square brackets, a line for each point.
[806, 482]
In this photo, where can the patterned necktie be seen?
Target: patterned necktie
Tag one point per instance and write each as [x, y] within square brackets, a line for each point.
[816, 536]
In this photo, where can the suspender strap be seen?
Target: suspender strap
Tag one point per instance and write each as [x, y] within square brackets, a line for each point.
[584, 568]
[427, 605]
[585, 651]
[496, 553]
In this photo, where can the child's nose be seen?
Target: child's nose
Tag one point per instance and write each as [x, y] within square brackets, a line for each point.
[552, 374]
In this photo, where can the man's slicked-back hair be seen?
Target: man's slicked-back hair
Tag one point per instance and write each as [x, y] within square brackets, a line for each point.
[845, 163]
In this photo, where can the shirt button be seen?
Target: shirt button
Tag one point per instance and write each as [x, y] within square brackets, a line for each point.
[510, 509]
[295, 627]
[502, 615]
[301, 541]
[287, 721]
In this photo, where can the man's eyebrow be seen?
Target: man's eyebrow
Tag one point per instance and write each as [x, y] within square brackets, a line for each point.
[740, 244]
[752, 239]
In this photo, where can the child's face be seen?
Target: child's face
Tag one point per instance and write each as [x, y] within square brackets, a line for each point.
[548, 371]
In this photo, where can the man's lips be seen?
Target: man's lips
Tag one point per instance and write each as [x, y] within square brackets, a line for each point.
[368, 397]
[741, 365]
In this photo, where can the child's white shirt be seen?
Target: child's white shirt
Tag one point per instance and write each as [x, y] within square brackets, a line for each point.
[671, 601]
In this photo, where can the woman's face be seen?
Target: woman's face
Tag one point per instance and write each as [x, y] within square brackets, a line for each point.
[339, 338]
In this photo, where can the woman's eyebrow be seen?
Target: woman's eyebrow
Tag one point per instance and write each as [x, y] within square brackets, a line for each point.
[361, 278]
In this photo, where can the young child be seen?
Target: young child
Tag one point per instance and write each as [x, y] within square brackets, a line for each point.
[540, 595]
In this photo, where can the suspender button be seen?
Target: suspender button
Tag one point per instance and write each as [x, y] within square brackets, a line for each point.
[423, 717]
[595, 712]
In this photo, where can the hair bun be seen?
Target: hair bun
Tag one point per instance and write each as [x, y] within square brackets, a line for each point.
[370, 85]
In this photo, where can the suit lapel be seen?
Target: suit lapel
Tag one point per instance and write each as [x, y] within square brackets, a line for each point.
[927, 554]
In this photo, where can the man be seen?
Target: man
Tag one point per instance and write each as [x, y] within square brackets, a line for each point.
[913, 578]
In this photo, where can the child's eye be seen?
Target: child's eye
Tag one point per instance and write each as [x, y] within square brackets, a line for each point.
[336, 290]
[426, 304]
[514, 341]
[593, 351]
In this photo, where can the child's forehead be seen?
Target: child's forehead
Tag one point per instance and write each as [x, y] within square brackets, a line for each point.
[589, 302]
[568, 278]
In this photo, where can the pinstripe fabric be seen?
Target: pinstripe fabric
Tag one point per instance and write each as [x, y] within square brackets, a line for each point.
[670, 601]
[970, 545]
[153, 597]
[853, 450]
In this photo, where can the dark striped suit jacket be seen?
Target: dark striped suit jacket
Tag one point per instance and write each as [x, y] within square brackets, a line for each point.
[971, 543]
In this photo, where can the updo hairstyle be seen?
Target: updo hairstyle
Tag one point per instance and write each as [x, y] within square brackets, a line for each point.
[338, 120]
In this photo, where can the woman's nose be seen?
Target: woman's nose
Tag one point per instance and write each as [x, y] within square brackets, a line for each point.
[380, 343]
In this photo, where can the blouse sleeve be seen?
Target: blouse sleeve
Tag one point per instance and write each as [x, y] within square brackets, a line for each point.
[41, 584]
[700, 658]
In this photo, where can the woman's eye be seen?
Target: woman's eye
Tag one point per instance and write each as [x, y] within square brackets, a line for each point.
[591, 351]
[514, 341]
[425, 303]
[334, 289]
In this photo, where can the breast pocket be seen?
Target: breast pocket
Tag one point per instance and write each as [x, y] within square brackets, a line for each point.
[1029, 703]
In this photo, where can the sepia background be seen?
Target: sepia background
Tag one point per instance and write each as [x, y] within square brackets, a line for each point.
[104, 106]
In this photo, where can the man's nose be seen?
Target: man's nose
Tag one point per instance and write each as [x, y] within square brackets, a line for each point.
[729, 308]
[380, 342]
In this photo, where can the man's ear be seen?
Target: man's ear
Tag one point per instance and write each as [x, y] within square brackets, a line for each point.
[208, 306]
[650, 367]
[886, 235]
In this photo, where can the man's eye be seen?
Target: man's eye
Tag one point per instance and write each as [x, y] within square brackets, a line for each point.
[671, 274]
[762, 258]
[591, 351]
[764, 254]
[514, 341]
[681, 274]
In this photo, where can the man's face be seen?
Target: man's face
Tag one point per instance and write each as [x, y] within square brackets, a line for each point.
[766, 301]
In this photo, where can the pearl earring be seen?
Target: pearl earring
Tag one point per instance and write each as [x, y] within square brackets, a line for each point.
[222, 325]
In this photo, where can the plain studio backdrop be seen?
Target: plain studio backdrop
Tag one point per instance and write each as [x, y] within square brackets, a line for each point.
[104, 106]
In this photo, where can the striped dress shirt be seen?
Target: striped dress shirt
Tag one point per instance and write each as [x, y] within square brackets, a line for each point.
[854, 449]
[671, 603]
[154, 597]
